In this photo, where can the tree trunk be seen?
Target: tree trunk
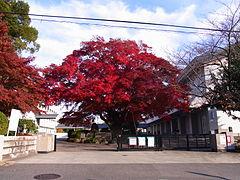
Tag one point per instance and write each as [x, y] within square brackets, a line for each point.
[117, 121]
[116, 130]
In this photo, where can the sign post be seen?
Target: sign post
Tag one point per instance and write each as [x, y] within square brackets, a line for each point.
[13, 121]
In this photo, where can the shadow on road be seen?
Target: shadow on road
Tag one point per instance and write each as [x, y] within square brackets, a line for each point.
[208, 175]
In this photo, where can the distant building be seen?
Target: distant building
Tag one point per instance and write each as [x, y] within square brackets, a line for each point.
[201, 118]
[45, 121]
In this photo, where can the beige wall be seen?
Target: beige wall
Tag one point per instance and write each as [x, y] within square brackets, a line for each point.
[15, 146]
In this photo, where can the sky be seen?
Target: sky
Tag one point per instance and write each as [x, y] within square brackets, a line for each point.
[57, 40]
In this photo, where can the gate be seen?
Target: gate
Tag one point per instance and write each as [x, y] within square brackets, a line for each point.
[162, 142]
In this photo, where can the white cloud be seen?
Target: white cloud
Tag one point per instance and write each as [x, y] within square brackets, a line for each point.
[59, 39]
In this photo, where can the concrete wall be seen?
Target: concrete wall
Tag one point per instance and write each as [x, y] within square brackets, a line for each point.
[225, 121]
[17, 146]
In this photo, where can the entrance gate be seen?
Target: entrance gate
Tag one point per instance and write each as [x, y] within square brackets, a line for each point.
[162, 142]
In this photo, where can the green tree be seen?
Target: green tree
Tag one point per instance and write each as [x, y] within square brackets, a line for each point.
[24, 36]
[3, 124]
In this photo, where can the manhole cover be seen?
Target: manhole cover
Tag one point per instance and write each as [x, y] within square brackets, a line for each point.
[46, 176]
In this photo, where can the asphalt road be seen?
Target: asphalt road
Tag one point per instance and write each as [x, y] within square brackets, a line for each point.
[74, 161]
[121, 171]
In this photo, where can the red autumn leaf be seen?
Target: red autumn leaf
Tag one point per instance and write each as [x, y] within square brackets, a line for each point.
[119, 80]
[21, 86]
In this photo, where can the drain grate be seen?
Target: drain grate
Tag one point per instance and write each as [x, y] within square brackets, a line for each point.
[46, 176]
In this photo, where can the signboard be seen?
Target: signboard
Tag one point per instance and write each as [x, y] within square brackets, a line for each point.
[141, 141]
[14, 119]
[132, 141]
[151, 141]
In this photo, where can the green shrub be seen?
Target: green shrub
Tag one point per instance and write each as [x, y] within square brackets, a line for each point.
[74, 134]
[78, 134]
[90, 139]
[30, 126]
[71, 133]
[3, 124]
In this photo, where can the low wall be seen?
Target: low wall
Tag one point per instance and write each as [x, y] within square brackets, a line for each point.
[45, 142]
[227, 141]
[17, 146]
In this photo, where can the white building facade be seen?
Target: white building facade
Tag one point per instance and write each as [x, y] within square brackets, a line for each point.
[201, 118]
[46, 121]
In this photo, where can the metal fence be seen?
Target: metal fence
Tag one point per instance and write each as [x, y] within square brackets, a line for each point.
[161, 142]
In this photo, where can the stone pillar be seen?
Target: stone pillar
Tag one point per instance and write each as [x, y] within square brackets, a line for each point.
[220, 142]
[165, 127]
[153, 129]
[171, 128]
[160, 128]
[1, 146]
[189, 122]
[179, 125]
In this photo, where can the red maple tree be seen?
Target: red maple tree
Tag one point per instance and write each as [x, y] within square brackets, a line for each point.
[21, 86]
[118, 80]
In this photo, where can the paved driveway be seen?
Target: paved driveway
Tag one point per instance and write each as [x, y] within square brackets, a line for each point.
[63, 146]
[76, 153]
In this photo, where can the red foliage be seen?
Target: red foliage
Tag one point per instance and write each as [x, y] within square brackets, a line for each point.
[119, 80]
[20, 83]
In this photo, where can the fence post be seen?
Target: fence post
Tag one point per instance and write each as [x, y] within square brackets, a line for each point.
[169, 141]
[55, 143]
[187, 137]
[1, 146]
[178, 141]
[213, 142]
[205, 139]
[159, 142]
[196, 141]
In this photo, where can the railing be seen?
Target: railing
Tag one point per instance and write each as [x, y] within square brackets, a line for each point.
[160, 142]
[188, 142]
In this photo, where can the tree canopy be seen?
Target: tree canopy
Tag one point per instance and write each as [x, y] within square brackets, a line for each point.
[20, 82]
[24, 36]
[119, 80]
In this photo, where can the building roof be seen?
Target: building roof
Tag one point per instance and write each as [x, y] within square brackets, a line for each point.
[46, 116]
[196, 62]
[102, 126]
[63, 126]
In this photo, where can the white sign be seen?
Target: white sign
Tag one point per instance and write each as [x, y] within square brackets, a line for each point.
[14, 119]
[132, 141]
[141, 141]
[151, 141]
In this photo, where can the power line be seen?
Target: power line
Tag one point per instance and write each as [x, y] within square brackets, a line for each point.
[120, 21]
[117, 26]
